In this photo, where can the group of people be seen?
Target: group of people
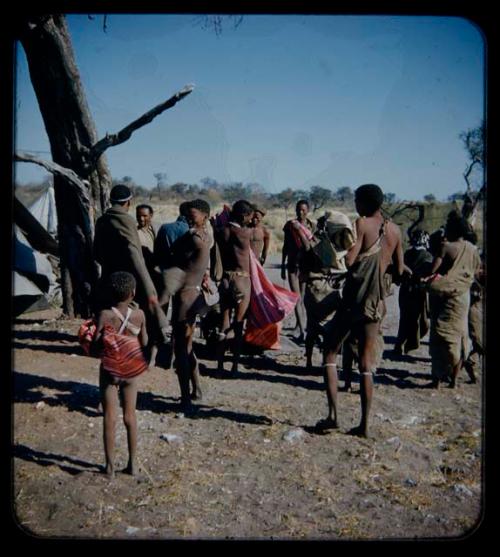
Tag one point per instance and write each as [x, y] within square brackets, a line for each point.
[210, 269]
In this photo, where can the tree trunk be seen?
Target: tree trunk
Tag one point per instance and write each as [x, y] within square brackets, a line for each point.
[72, 133]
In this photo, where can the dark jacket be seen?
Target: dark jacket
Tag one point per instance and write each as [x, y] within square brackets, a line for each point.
[117, 248]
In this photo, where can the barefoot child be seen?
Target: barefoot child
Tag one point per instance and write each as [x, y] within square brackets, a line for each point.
[120, 338]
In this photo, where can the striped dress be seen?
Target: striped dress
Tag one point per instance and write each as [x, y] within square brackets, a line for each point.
[122, 355]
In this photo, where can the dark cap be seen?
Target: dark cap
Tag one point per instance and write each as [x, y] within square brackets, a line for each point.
[120, 193]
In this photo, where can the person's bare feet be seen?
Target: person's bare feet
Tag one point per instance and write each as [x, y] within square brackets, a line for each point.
[109, 471]
[129, 469]
[325, 425]
[196, 394]
[359, 431]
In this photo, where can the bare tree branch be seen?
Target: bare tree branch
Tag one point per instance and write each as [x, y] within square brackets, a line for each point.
[110, 140]
[71, 176]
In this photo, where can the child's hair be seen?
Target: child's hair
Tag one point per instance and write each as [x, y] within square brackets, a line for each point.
[301, 202]
[200, 205]
[121, 286]
[371, 196]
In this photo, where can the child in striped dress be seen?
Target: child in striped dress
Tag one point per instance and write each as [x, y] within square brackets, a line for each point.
[119, 340]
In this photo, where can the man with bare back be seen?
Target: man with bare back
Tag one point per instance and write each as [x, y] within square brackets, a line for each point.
[191, 254]
[261, 236]
[234, 243]
[378, 243]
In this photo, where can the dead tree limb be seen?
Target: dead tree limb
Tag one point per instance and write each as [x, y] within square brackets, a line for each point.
[72, 178]
[110, 140]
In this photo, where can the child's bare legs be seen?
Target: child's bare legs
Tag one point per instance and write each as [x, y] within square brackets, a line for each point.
[129, 391]
[109, 396]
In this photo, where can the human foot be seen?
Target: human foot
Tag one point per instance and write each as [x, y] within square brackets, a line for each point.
[326, 424]
[359, 431]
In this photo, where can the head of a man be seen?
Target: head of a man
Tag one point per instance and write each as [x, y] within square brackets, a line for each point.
[184, 208]
[258, 215]
[144, 215]
[456, 227]
[302, 209]
[198, 212]
[120, 195]
[242, 212]
[368, 199]
[121, 287]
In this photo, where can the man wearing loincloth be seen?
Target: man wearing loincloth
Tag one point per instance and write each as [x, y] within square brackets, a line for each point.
[193, 258]
[292, 261]
[378, 242]
[235, 288]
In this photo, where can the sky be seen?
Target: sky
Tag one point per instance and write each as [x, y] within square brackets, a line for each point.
[282, 100]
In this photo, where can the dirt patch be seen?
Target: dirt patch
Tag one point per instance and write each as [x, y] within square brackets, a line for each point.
[246, 465]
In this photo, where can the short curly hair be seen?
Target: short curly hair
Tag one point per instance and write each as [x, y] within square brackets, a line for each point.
[200, 205]
[121, 286]
[371, 196]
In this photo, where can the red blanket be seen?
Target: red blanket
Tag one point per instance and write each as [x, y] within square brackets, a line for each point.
[269, 303]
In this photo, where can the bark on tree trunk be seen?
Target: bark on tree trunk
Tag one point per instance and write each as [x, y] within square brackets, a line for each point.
[71, 132]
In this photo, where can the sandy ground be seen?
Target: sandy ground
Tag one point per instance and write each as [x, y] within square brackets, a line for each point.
[247, 465]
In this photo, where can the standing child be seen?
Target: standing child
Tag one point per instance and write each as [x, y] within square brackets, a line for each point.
[120, 338]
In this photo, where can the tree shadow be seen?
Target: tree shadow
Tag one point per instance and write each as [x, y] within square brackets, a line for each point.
[77, 397]
[45, 335]
[74, 466]
[50, 348]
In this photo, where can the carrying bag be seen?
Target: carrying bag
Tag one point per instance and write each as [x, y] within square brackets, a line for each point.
[86, 334]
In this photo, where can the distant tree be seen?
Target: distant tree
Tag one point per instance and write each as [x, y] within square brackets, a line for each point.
[179, 189]
[344, 195]
[390, 198]
[473, 140]
[430, 198]
[319, 197]
[209, 183]
[456, 196]
[236, 190]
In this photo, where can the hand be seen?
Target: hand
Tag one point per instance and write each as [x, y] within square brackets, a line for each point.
[262, 260]
[283, 272]
[152, 301]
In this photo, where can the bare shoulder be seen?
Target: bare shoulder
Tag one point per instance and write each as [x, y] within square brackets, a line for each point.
[138, 315]
[393, 229]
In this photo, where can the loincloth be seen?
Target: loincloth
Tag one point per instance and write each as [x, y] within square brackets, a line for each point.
[231, 292]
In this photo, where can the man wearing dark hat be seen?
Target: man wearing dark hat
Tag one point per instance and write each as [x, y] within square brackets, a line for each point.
[117, 248]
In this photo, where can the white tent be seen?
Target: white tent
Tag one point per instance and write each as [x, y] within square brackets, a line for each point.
[44, 210]
[34, 281]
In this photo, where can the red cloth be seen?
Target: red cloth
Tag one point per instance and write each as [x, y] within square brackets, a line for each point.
[295, 234]
[86, 334]
[122, 355]
[269, 303]
[267, 337]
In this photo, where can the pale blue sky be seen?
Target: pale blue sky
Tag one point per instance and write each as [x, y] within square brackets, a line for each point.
[286, 101]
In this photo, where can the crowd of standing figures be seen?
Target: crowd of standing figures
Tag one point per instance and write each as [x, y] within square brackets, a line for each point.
[206, 271]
